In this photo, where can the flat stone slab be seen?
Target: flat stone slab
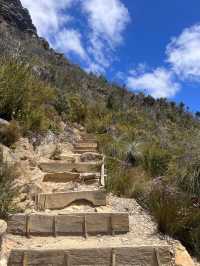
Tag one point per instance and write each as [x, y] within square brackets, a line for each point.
[63, 177]
[56, 166]
[87, 140]
[72, 224]
[54, 201]
[3, 227]
[86, 145]
[81, 151]
[91, 156]
[66, 158]
[119, 256]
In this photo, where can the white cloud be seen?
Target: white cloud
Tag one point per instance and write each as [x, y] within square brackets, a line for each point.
[184, 54]
[48, 15]
[94, 68]
[158, 83]
[51, 19]
[139, 69]
[99, 52]
[107, 21]
[70, 41]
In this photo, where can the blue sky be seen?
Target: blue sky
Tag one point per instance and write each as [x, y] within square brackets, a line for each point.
[150, 46]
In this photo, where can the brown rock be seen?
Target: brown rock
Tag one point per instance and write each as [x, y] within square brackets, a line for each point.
[6, 155]
[3, 227]
[90, 156]
[182, 257]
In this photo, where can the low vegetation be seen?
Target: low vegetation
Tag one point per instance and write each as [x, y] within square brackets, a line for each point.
[8, 190]
[152, 146]
[25, 98]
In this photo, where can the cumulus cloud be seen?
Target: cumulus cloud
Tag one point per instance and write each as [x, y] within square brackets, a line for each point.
[183, 58]
[49, 16]
[51, 19]
[107, 21]
[183, 53]
[70, 41]
[158, 83]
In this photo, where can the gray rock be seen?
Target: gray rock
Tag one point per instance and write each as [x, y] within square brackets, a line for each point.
[13, 12]
[3, 122]
[90, 156]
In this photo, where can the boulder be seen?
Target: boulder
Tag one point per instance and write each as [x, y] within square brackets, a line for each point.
[46, 150]
[66, 148]
[6, 155]
[24, 150]
[90, 156]
[31, 189]
[13, 13]
[3, 227]
[3, 122]
[182, 257]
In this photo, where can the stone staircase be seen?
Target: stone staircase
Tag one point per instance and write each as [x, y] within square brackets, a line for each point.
[55, 235]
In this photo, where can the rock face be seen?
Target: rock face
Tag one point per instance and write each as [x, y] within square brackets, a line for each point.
[12, 12]
[182, 256]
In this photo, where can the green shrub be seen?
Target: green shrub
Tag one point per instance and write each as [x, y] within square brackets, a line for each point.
[70, 107]
[8, 191]
[175, 215]
[124, 180]
[77, 110]
[155, 160]
[165, 206]
[189, 177]
[9, 134]
[23, 96]
[117, 181]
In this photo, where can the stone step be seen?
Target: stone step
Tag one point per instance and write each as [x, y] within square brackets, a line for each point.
[54, 201]
[87, 136]
[72, 224]
[86, 145]
[83, 157]
[62, 177]
[65, 177]
[82, 151]
[61, 166]
[72, 158]
[100, 256]
[87, 140]
[91, 157]
[67, 158]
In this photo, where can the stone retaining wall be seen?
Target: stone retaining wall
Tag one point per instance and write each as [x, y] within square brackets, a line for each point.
[123, 256]
[54, 201]
[68, 224]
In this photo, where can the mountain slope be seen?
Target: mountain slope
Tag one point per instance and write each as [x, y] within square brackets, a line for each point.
[152, 146]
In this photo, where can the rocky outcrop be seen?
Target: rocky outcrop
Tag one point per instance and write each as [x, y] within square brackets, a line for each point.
[13, 13]
[6, 156]
[182, 257]
[3, 248]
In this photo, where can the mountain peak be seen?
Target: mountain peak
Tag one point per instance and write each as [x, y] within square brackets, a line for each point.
[13, 13]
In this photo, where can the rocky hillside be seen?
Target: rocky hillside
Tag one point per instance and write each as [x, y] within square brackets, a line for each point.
[152, 146]
[14, 14]
[63, 168]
